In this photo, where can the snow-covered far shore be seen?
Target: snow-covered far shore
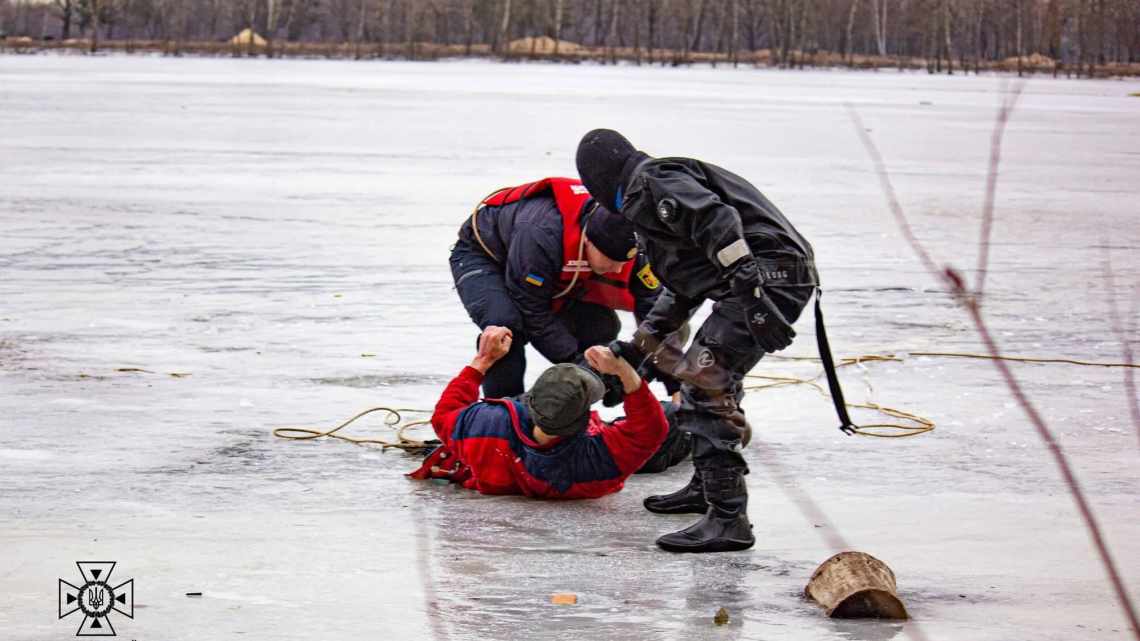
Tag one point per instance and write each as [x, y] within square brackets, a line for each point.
[276, 232]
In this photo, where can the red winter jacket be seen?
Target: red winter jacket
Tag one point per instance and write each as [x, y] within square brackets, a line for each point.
[489, 445]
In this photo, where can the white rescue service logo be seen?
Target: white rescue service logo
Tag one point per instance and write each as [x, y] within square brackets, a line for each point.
[667, 210]
[705, 358]
[96, 599]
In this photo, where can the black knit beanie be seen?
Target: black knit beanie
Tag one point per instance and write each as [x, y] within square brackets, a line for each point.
[602, 155]
[612, 234]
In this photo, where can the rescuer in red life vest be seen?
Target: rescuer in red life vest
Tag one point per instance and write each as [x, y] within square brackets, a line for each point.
[548, 444]
[544, 260]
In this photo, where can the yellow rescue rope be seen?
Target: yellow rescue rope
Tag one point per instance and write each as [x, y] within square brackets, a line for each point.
[920, 425]
[393, 420]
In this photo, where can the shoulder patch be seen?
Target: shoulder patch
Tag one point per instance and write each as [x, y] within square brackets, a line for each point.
[535, 280]
[648, 278]
[667, 210]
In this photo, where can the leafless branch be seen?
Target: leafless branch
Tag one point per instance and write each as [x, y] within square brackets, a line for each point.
[973, 306]
[1062, 461]
[892, 199]
[1122, 334]
[1009, 101]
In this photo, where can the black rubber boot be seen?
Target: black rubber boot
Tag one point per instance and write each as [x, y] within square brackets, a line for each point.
[687, 500]
[725, 526]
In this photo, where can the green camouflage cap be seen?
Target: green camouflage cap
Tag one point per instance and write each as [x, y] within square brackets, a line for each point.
[560, 400]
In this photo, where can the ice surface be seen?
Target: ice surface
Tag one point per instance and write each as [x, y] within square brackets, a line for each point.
[260, 225]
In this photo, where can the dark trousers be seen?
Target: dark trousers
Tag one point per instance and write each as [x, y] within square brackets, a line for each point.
[712, 372]
[677, 447]
[482, 289]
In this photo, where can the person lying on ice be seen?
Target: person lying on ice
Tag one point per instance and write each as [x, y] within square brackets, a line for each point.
[548, 444]
[544, 260]
[710, 235]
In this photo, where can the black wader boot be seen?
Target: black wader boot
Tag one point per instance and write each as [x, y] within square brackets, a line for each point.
[687, 500]
[725, 526]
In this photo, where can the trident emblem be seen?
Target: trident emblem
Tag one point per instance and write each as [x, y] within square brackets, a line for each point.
[96, 598]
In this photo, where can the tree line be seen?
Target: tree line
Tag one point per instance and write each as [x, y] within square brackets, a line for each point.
[944, 33]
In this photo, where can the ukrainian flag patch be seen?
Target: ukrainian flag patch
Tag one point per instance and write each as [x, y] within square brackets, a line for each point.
[535, 280]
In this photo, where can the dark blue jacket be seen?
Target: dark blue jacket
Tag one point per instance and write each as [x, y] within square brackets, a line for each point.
[528, 233]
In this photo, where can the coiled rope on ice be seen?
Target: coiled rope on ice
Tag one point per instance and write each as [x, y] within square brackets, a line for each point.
[918, 424]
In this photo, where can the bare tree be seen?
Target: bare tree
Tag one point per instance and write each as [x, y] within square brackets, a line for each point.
[66, 12]
[699, 28]
[94, 25]
[503, 33]
[468, 25]
[651, 24]
[879, 21]
[612, 32]
[734, 42]
[1020, 51]
[947, 43]
[847, 42]
[361, 28]
[559, 5]
[1077, 34]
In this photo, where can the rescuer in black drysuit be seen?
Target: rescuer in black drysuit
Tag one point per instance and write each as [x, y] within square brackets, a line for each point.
[709, 234]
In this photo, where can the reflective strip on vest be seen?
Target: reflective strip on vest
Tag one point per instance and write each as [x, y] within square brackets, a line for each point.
[571, 196]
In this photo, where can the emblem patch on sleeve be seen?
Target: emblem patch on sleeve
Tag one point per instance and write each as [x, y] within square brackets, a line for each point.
[535, 280]
[648, 278]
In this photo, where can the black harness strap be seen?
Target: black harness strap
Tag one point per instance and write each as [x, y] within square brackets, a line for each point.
[846, 426]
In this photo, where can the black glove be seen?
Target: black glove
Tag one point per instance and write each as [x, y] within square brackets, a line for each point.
[768, 326]
[615, 392]
[635, 357]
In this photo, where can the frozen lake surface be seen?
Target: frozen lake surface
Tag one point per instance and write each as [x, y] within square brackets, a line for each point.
[260, 225]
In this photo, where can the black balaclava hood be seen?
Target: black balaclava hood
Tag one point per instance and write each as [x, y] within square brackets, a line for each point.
[602, 157]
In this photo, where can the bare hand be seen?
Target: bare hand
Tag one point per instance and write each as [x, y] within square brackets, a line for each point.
[602, 359]
[494, 343]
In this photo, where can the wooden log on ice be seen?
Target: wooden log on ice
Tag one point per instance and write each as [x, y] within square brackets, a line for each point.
[855, 585]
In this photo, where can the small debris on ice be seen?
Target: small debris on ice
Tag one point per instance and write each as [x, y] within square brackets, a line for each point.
[721, 617]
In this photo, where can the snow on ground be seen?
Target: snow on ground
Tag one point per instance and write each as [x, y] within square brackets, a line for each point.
[260, 225]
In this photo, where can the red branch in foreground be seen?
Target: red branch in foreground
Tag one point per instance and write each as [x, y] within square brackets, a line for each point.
[892, 198]
[973, 306]
[1062, 462]
[1007, 105]
[1122, 334]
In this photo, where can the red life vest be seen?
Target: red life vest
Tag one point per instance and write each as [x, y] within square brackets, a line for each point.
[576, 280]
